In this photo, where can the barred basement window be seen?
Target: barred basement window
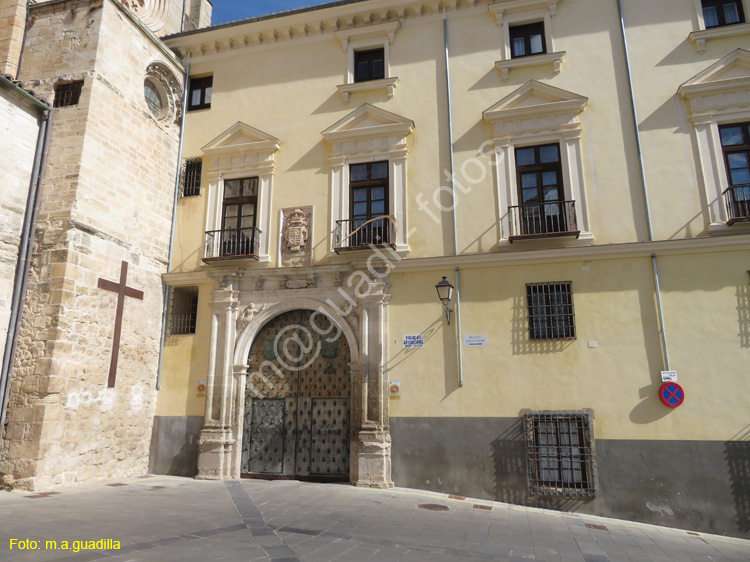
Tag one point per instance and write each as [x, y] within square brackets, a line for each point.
[67, 94]
[550, 307]
[184, 313]
[191, 177]
[561, 454]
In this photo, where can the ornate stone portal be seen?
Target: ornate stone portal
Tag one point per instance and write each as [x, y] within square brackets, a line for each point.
[356, 302]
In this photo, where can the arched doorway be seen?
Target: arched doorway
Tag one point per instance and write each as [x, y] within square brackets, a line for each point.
[298, 398]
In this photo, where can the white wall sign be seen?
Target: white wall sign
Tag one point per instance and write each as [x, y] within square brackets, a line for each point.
[669, 376]
[394, 389]
[475, 341]
[416, 340]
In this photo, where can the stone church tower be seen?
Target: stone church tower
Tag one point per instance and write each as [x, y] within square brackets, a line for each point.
[81, 389]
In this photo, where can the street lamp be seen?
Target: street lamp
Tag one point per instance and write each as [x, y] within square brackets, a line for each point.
[445, 294]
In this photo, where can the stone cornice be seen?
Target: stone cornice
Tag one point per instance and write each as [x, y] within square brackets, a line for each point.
[340, 19]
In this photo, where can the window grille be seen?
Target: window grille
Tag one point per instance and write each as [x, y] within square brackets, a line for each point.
[191, 177]
[182, 319]
[561, 454]
[67, 94]
[550, 309]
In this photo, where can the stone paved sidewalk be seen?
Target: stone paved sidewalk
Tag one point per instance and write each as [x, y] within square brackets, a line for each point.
[178, 519]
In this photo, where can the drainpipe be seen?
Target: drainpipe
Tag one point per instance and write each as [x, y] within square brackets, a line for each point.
[182, 21]
[661, 314]
[645, 188]
[24, 250]
[166, 288]
[453, 195]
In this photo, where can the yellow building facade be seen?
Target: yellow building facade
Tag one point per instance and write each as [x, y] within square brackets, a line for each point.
[577, 171]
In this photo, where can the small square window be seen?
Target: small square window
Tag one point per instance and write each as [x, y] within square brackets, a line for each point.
[191, 177]
[527, 40]
[718, 13]
[550, 308]
[560, 452]
[369, 65]
[68, 94]
[184, 310]
[199, 93]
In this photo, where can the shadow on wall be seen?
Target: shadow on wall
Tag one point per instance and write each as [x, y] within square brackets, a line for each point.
[508, 455]
[737, 452]
[743, 313]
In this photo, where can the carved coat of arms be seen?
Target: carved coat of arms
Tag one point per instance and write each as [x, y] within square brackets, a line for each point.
[296, 234]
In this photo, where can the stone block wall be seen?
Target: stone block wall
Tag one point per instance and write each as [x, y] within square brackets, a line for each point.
[107, 198]
[12, 24]
[19, 129]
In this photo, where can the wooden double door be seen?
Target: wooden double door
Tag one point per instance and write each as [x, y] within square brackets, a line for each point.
[297, 406]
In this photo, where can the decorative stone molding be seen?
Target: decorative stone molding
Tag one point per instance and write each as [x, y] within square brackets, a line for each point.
[555, 59]
[350, 21]
[387, 84]
[170, 91]
[522, 12]
[701, 36]
[369, 37]
[261, 296]
[239, 152]
[719, 94]
[369, 134]
[153, 13]
[538, 113]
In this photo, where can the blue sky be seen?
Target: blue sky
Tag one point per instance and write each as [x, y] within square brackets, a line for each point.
[234, 10]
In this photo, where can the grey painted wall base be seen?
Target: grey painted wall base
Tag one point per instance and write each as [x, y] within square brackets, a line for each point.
[174, 449]
[695, 485]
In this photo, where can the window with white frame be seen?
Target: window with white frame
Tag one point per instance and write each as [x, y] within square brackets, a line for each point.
[539, 164]
[527, 34]
[368, 59]
[239, 166]
[719, 19]
[368, 179]
[717, 109]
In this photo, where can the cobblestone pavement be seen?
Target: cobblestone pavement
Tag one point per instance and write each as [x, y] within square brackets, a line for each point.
[180, 519]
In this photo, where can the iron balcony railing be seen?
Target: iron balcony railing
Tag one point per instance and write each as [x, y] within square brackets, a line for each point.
[737, 199]
[353, 234]
[538, 220]
[232, 243]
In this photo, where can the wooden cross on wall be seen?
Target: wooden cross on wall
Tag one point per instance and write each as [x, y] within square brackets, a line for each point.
[122, 291]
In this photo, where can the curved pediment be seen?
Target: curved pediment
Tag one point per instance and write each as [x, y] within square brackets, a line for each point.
[368, 121]
[241, 137]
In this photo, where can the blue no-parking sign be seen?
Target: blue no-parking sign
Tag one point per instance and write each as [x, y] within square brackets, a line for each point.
[671, 394]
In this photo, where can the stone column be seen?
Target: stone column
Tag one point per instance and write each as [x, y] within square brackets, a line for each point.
[373, 440]
[240, 382]
[218, 442]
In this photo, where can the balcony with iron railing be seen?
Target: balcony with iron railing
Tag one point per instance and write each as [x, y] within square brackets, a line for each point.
[737, 200]
[232, 243]
[360, 234]
[543, 220]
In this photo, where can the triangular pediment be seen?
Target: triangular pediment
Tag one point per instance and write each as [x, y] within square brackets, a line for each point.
[535, 98]
[368, 121]
[731, 71]
[241, 137]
